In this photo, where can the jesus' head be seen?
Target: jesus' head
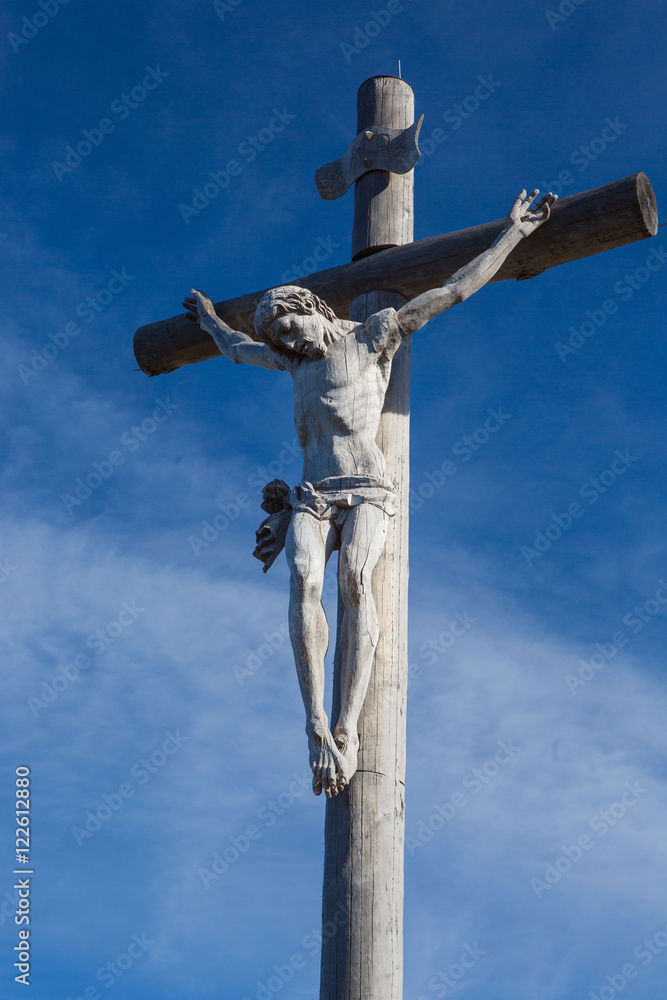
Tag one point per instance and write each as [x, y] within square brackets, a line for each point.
[293, 321]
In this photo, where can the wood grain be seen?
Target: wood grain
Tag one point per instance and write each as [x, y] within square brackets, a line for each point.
[581, 225]
[364, 828]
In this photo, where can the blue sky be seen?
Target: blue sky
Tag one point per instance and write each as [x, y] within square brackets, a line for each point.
[111, 586]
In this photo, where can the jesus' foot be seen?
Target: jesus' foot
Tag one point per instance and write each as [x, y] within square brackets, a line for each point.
[348, 746]
[326, 762]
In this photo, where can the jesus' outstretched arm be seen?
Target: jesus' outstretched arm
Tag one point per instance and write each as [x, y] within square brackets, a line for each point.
[238, 347]
[521, 222]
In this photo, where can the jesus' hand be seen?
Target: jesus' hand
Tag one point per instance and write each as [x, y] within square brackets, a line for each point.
[523, 218]
[199, 306]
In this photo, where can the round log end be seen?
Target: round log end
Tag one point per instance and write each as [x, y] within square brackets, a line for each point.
[147, 358]
[143, 361]
[647, 203]
[165, 346]
[384, 76]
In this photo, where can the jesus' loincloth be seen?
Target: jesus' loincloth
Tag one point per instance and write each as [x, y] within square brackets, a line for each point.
[332, 499]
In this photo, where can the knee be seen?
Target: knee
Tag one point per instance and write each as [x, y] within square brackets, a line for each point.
[354, 584]
[306, 580]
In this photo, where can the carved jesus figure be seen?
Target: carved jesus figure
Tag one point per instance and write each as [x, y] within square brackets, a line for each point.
[340, 371]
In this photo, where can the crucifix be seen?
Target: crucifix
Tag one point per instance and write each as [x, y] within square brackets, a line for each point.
[343, 335]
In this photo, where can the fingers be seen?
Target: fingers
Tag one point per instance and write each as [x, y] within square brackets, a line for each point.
[541, 211]
[548, 199]
[544, 208]
[521, 198]
[190, 305]
[545, 205]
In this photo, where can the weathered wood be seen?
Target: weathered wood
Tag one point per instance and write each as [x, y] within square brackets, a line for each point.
[364, 828]
[375, 148]
[383, 212]
[363, 879]
[581, 225]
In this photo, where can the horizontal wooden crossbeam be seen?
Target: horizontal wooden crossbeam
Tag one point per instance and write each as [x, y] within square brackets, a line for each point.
[580, 225]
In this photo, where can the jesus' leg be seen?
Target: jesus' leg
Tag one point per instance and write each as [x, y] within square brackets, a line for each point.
[362, 540]
[308, 546]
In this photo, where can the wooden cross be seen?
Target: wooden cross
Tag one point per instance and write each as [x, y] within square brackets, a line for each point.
[364, 826]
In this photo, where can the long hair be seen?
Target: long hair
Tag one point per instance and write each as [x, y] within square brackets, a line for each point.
[283, 300]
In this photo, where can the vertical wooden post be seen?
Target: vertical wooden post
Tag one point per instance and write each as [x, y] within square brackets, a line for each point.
[362, 909]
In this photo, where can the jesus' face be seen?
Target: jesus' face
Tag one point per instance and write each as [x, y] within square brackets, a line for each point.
[297, 333]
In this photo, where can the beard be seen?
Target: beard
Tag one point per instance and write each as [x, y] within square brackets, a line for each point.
[315, 349]
[316, 346]
[311, 343]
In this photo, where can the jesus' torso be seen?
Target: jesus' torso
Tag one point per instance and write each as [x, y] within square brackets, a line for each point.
[338, 400]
